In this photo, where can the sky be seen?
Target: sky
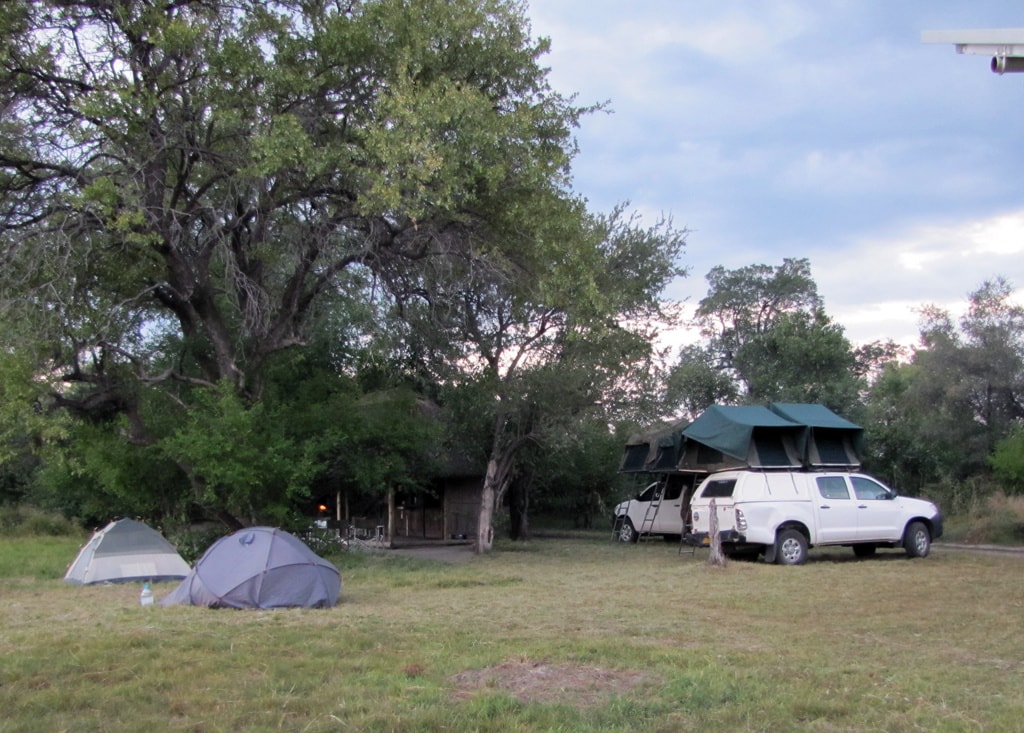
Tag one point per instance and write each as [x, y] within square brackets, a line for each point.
[820, 129]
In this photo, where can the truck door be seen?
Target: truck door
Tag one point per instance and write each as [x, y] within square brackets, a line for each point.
[670, 518]
[880, 516]
[835, 510]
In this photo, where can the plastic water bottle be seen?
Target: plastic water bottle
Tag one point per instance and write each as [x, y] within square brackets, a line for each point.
[146, 597]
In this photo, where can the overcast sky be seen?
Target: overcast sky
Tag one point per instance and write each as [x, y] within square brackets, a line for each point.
[822, 129]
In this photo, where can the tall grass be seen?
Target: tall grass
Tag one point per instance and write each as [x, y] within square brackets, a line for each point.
[998, 520]
[620, 638]
[25, 521]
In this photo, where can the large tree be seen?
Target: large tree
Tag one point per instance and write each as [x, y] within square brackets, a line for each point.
[770, 339]
[187, 186]
[530, 349]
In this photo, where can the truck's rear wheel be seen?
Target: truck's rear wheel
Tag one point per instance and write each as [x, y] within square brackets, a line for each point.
[917, 541]
[790, 547]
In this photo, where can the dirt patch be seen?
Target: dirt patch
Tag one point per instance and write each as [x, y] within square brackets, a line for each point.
[539, 682]
[453, 553]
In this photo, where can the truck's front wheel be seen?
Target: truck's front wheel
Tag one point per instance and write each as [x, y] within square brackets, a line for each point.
[790, 547]
[627, 533]
[917, 541]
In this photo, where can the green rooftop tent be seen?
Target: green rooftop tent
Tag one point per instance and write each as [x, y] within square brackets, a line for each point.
[126, 550]
[779, 436]
[737, 436]
[831, 441]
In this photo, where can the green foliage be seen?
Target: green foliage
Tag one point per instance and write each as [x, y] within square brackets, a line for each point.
[1008, 461]
[803, 357]
[95, 475]
[194, 540]
[748, 301]
[901, 443]
[940, 418]
[236, 179]
[238, 457]
[575, 477]
[27, 521]
[769, 339]
[695, 382]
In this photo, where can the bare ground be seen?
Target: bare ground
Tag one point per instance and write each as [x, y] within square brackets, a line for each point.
[539, 682]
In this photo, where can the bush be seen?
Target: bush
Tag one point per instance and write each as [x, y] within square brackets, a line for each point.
[196, 539]
[1008, 461]
[22, 521]
[960, 498]
[999, 521]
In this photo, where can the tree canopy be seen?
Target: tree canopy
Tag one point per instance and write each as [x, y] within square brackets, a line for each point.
[191, 191]
[768, 338]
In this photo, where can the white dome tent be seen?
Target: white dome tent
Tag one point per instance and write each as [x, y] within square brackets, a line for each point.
[126, 550]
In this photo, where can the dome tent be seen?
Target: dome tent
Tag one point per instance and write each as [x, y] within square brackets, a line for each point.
[126, 550]
[259, 568]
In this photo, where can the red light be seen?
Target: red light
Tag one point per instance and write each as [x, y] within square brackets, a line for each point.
[322, 507]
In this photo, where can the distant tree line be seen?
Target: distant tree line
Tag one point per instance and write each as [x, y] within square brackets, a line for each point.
[943, 417]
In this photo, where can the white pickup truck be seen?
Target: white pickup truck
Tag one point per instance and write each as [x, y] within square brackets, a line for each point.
[782, 514]
[657, 511]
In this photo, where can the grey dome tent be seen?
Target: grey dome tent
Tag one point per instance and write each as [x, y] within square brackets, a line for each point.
[126, 550]
[259, 568]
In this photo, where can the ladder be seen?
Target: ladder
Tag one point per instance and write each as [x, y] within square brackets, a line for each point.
[651, 514]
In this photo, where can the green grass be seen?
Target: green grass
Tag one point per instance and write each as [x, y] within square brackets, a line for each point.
[634, 638]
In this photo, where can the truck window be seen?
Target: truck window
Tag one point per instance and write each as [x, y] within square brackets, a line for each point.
[649, 493]
[672, 491]
[833, 487]
[865, 488]
[718, 489]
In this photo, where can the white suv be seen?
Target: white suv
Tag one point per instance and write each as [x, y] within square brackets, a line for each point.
[782, 514]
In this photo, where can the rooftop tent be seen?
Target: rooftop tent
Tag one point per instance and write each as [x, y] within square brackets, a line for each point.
[831, 439]
[654, 451]
[259, 568]
[743, 436]
[126, 550]
[634, 459]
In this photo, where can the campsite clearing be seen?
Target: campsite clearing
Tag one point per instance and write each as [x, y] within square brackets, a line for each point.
[568, 634]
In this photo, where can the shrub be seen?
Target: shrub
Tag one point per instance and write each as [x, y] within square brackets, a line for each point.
[1008, 461]
[23, 521]
[194, 540]
[960, 498]
[999, 521]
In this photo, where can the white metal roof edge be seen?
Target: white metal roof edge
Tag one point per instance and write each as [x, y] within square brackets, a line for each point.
[977, 37]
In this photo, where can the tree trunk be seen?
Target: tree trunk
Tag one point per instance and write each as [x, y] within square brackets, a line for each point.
[716, 557]
[485, 520]
[390, 529]
[518, 510]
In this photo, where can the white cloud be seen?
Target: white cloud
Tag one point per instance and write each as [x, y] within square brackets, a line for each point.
[804, 128]
[875, 286]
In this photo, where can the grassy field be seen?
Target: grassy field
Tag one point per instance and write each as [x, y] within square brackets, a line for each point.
[553, 635]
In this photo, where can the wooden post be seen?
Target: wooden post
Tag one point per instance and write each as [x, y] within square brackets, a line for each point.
[390, 541]
[715, 557]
